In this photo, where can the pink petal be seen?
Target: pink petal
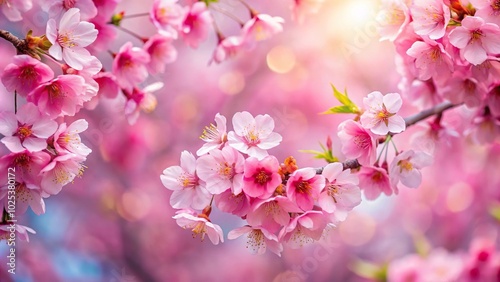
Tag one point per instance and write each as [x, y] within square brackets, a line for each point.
[13, 144]
[475, 53]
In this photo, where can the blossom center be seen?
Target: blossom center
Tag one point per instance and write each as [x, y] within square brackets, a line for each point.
[68, 4]
[252, 137]
[303, 187]
[435, 54]
[27, 73]
[272, 208]
[333, 191]
[405, 165]
[187, 181]
[66, 40]
[24, 132]
[255, 239]
[210, 133]
[361, 141]
[495, 5]
[226, 170]
[54, 91]
[22, 160]
[262, 177]
[377, 176]
[476, 35]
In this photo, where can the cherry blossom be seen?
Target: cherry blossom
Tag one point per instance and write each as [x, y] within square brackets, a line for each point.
[26, 130]
[303, 229]
[141, 99]
[430, 17]
[357, 142]
[60, 171]
[253, 136]
[27, 195]
[196, 24]
[381, 114]
[130, 66]
[227, 48]
[222, 170]
[24, 74]
[261, 27]
[57, 8]
[261, 177]
[200, 225]
[21, 230]
[393, 17]
[214, 135]
[431, 60]
[272, 213]
[304, 186]
[27, 165]
[161, 52]
[69, 38]
[259, 239]
[189, 190]
[13, 9]
[476, 39]
[167, 16]
[405, 167]
[67, 138]
[488, 10]
[228, 202]
[374, 181]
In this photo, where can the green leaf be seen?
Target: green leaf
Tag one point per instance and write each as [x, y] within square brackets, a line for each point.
[369, 270]
[341, 110]
[348, 106]
[209, 1]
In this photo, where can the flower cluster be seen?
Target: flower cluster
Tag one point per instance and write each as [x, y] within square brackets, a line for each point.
[448, 50]
[281, 203]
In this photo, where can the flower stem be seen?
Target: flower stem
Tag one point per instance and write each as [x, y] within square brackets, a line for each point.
[136, 15]
[15, 101]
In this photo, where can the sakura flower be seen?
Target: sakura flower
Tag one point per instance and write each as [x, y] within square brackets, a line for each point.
[108, 86]
[106, 35]
[196, 24]
[393, 17]
[130, 66]
[227, 47]
[141, 100]
[222, 170]
[441, 265]
[167, 16]
[67, 138]
[27, 166]
[272, 213]
[253, 136]
[57, 8]
[304, 186]
[228, 202]
[259, 239]
[431, 60]
[341, 193]
[160, 51]
[303, 229]
[61, 96]
[214, 136]
[488, 10]
[27, 195]
[405, 269]
[302, 8]
[24, 74]
[406, 167]
[189, 191]
[462, 89]
[476, 39]
[357, 142]
[13, 9]
[60, 171]
[374, 181]
[430, 17]
[70, 37]
[261, 177]
[21, 230]
[485, 129]
[27, 129]
[261, 27]
[381, 114]
[200, 225]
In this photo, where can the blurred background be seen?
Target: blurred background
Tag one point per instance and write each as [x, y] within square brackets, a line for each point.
[115, 222]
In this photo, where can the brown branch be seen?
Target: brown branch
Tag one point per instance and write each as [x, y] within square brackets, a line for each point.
[410, 120]
[20, 44]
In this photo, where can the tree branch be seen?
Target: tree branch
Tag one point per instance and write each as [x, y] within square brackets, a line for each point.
[20, 44]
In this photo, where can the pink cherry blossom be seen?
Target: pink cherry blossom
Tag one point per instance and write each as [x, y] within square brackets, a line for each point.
[341, 193]
[374, 181]
[485, 129]
[57, 8]
[27, 129]
[431, 60]
[67, 138]
[214, 136]
[27, 195]
[430, 17]
[302, 8]
[130, 66]
[70, 37]
[189, 190]
[253, 136]
[272, 213]
[393, 17]
[405, 167]
[13, 9]
[261, 177]
[196, 24]
[167, 16]
[261, 27]
[222, 170]
[62, 96]
[357, 142]
[462, 89]
[381, 113]
[160, 50]
[27, 166]
[108, 86]
[60, 171]
[106, 35]
[441, 265]
[488, 10]
[227, 48]
[141, 99]
[105, 8]
[304, 186]
[21, 230]
[476, 39]
[259, 239]
[200, 225]
[24, 74]
[228, 202]
[405, 269]
[303, 229]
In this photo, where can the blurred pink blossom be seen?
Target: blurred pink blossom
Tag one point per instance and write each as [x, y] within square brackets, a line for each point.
[196, 24]
[160, 50]
[130, 66]
[13, 9]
